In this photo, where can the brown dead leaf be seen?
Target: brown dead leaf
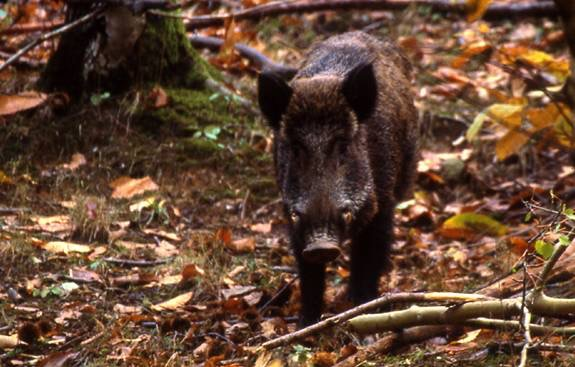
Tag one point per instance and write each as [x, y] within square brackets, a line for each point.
[224, 235]
[85, 275]
[237, 291]
[127, 187]
[127, 310]
[57, 359]
[158, 97]
[191, 271]
[242, 245]
[262, 227]
[323, 359]
[161, 233]
[78, 160]
[11, 104]
[174, 303]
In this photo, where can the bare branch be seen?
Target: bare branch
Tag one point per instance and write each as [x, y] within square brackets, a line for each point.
[377, 303]
[66, 28]
[495, 11]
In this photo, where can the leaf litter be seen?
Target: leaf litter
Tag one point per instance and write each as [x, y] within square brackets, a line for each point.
[218, 286]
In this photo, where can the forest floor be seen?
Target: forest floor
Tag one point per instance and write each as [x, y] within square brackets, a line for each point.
[119, 247]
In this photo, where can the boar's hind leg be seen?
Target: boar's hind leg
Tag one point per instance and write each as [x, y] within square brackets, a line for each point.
[369, 257]
[312, 286]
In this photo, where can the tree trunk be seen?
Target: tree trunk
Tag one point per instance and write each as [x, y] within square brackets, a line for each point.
[119, 51]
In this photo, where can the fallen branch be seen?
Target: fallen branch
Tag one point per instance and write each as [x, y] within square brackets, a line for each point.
[377, 303]
[394, 340]
[30, 28]
[257, 58]
[494, 11]
[66, 28]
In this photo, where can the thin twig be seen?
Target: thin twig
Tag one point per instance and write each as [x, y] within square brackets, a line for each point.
[277, 295]
[66, 28]
[128, 262]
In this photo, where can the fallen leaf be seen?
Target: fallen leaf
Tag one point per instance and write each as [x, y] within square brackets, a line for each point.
[174, 303]
[8, 341]
[123, 309]
[78, 160]
[158, 97]
[54, 223]
[476, 9]
[57, 359]
[127, 187]
[59, 247]
[237, 291]
[467, 225]
[468, 337]
[11, 104]
[261, 227]
[242, 245]
[191, 271]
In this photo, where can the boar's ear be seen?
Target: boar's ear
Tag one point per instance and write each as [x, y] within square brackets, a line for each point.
[273, 96]
[360, 89]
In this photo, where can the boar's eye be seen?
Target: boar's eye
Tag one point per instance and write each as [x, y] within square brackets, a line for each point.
[347, 216]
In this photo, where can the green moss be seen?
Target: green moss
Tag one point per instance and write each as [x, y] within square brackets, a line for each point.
[190, 109]
[164, 55]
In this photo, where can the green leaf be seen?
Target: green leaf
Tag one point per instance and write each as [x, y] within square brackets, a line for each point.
[405, 204]
[544, 249]
[214, 96]
[475, 126]
[69, 286]
[211, 132]
[569, 213]
[564, 240]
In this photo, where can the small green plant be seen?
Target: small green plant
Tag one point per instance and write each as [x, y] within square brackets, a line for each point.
[300, 354]
[97, 99]
[59, 290]
[209, 133]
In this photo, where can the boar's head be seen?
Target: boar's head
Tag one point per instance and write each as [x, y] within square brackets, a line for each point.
[321, 155]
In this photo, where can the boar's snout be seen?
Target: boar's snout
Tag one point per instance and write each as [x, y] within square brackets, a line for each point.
[321, 252]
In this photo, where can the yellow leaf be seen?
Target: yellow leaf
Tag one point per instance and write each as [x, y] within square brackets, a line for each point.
[508, 115]
[510, 143]
[468, 338]
[563, 127]
[8, 341]
[5, 179]
[546, 116]
[559, 67]
[468, 224]
[174, 303]
[60, 247]
[476, 9]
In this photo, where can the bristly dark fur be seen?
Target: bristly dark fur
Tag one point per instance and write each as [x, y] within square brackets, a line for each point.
[345, 141]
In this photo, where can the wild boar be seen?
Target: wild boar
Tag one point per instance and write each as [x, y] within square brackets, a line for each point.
[345, 146]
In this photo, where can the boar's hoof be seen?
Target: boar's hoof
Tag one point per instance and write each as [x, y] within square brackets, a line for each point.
[321, 252]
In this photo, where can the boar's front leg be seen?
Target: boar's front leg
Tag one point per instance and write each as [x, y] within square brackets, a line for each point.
[312, 286]
[370, 256]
